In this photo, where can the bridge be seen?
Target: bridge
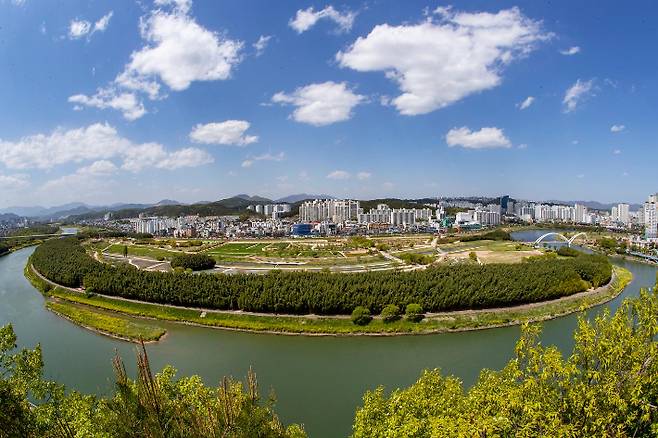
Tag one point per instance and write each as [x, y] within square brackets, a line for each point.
[566, 239]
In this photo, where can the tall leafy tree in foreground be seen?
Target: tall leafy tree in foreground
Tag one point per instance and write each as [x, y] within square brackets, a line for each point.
[151, 406]
[607, 387]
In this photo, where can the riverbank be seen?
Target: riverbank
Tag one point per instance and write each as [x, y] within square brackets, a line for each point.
[312, 325]
[103, 323]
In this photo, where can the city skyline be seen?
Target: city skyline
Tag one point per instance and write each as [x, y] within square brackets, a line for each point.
[167, 99]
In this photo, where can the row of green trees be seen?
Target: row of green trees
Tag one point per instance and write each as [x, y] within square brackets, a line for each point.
[437, 288]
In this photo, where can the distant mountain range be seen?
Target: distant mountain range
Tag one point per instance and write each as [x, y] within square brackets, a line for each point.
[234, 205]
[76, 208]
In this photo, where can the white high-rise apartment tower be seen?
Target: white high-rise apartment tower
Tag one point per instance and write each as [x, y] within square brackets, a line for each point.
[651, 216]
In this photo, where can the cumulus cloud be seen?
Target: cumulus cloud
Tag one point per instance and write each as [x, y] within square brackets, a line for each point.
[307, 18]
[526, 103]
[82, 28]
[126, 102]
[363, 175]
[97, 143]
[229, 132]
[321, 104]
[339, 174]
[578, 92]
[617, 128]
[177, 52]
[570, 51]
[485, 138]
[439, 62]
[261, 44]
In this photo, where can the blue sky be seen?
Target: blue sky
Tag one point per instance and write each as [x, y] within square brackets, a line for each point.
[198, 100]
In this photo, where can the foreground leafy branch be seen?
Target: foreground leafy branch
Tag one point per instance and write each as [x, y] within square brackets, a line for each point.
[152, 406]
[607, 387]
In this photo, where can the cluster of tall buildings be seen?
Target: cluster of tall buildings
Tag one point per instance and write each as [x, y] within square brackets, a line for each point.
[333, 210]
[347, 210]
[270, 210]
[384, 214]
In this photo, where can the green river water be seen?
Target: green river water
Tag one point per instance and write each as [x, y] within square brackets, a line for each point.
[318, 381]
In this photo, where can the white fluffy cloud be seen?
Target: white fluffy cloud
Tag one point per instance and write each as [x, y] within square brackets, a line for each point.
[97, 143]
[261, 44]
[177, 52]
[321, 104]
[485, 138]
[526, 103]
[339, 174]
[578, 92]
[306, 18]
[437, 63]
[126, 102]
[81, 28]
[570, 51]
[229, 132]
[363, 175]
[617, 128]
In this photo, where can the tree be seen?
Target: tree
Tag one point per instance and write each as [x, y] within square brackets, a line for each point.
[608, 386]
[361, 316]
[153, 405]
[125, 250]
[473, 256]
[414, 312]
[390, 313]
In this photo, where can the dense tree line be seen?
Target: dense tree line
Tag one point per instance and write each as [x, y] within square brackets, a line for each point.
[437, 288]
[195, 262]
[490, 235]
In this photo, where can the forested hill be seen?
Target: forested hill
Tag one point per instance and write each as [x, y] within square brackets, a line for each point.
[230, 206]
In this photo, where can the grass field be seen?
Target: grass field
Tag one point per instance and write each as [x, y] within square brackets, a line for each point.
[142, 251]
[113, 325]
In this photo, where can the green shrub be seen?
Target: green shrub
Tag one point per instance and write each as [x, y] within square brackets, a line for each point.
[414, 312]
[195, 262]
[361, 316]
[566, 251]
[390, 313]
